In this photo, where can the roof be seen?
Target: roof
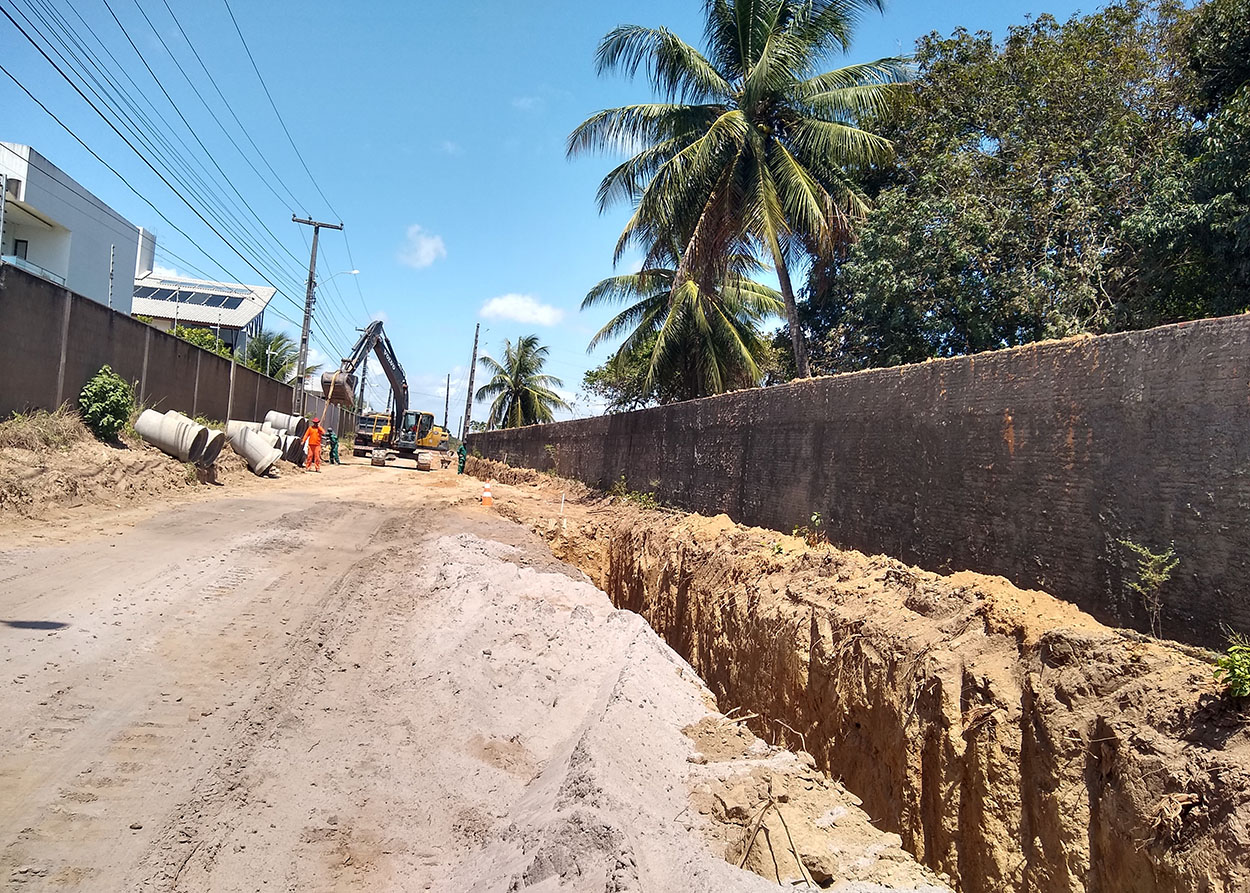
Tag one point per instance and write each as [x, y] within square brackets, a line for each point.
[199, 301]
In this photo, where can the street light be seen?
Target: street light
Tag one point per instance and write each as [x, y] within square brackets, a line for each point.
[339, 273]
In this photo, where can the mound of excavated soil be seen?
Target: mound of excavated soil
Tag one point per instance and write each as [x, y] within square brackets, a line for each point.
[50, 483]
[596, 704]
[44, 483]
[1009, 739]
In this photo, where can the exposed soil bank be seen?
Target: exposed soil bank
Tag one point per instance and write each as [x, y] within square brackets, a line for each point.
[1013, 742]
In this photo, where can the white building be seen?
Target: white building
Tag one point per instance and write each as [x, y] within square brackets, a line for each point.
[233, 311]
[53, 227]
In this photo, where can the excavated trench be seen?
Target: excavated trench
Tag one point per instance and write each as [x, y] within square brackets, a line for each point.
[1014, 743]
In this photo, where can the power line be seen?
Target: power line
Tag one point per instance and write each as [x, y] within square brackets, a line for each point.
[141, 136]
[274, 105]
[126, 182]
[230, 109]
[229, 181]
[208, 108]
[133, 148]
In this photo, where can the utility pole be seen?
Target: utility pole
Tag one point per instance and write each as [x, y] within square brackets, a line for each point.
[447, 400]
[309, 300]
[468, 398]
[111, 250]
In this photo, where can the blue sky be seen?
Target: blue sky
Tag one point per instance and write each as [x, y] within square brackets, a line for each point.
[434, 131]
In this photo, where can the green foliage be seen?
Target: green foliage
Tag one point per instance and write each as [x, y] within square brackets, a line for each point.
[751, 144]
[202, 338]
[523, 393]
[811, 532]
[1232, 668]
[105, 403]
[1036, 194]
[143, 318]
[273, 354]
[1153, 570]
[682, 341]
[1193, 235]
[620, 489]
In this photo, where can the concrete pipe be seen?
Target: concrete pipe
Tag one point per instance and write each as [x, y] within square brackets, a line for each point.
[213, 442]
[293, 449]
[213, 448]
[255, 450]
[233, 426]
[175, 435]
[294, 424]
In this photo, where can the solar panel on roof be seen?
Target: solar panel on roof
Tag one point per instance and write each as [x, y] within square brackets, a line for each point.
[232, 303]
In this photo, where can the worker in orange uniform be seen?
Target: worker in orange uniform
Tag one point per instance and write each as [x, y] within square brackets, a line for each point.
[312, 443]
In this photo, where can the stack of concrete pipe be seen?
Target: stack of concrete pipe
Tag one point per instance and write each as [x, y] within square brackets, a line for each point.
[178, 436]
[289, 430]
[259, 450]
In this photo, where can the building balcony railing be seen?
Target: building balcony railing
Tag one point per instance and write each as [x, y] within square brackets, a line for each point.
[34, 269]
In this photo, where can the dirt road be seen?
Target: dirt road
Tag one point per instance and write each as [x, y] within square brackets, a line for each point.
[357, 681]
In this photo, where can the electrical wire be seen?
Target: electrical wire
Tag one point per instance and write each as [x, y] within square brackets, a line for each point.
[324, 338]
[274, 106]
[246, 133]
[138, 133]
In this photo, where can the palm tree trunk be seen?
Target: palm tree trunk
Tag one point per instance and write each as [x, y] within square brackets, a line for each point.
[797, 340]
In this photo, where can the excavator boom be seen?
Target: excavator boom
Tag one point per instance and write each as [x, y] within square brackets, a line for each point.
[339, 386]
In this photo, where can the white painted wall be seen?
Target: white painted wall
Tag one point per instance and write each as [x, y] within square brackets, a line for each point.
[85, 229]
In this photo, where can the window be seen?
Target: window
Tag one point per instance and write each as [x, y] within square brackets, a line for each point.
[20, 247]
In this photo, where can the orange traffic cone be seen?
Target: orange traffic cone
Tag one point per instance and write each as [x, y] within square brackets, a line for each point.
[486, 497]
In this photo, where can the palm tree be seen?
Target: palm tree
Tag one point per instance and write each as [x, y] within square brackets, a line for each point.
[275, 355]
[704, 342]
[753, 146]
[523, 394]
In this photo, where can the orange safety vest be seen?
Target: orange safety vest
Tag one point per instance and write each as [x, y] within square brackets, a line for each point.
[312, 437]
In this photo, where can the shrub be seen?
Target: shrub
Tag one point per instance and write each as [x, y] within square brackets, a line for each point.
[1232, 668]
[105, 403]
[1154, 569]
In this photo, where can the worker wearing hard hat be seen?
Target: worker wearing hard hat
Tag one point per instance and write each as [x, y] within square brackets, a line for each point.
[312, 443]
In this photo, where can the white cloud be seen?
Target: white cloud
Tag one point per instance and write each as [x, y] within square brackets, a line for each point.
[451, 147]
[382, 315]
[166, 272]
[527, 103]
[421, 248]
[521, 308]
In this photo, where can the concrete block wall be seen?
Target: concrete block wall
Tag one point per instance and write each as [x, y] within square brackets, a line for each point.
[1033, 463]
[52, 341]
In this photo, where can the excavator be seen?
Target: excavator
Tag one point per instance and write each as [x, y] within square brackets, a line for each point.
[405, 431]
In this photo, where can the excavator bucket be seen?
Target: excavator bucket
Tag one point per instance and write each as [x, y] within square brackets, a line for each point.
[338, 388]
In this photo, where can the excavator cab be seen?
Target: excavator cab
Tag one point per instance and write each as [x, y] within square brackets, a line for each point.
[415, 430]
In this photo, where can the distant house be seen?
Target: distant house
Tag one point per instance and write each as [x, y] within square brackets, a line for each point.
[234, 312]
[54, 228]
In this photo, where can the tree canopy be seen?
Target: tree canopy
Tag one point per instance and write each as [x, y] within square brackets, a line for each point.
[523, 394]
[1087, 176]
[753, 144]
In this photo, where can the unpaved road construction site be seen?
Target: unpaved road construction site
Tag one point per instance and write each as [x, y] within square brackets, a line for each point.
[362, 680]
[366, 680]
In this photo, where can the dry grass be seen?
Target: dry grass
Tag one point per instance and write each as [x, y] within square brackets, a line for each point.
[43, 430]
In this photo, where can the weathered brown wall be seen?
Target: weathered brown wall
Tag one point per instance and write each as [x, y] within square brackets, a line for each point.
[52, 341]
[1032, 463]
